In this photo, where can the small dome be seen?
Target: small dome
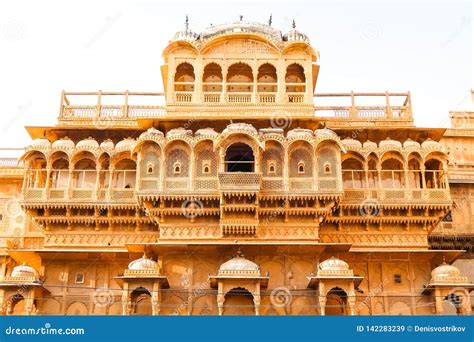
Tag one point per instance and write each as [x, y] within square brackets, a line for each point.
[205, 132]
[390, 143]
[181, 131]
[87, 144]
[411, 144]
[295, 36]
[325, 133]
[432, 145]
[125, 145]
[64, 143]
[107, 145]
[23, 271]
[239, 265]
[445, 271]
[299, 132]
[41, 143]
[348, 142]
[240, 127]
[240, 27]
[333, 264]
[143, 264]
[151, 134]
[370, 145]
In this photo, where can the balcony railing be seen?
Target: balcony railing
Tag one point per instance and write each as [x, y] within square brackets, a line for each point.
[240, 181]
[131, 105]
[429, 185]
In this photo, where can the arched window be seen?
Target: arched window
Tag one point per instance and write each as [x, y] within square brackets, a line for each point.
[239, 78]
[206, 167]
[434, 176]
[272, 160]
[267, 79]
[150, 167]
[300, 162]
[373, 175]
[353, 176]
[84, 175]
[271, 168]
[124, 174]
[392, 174]
[239, 158]
[301, 167]
[327, 160]
[36, 172]
[415, 180]
[184, 77]
[212, 78]
[178, 161]
[295, 79]
[60, 173]
[177, 168]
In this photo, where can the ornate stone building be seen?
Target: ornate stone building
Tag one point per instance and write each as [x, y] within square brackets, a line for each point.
[237, 191]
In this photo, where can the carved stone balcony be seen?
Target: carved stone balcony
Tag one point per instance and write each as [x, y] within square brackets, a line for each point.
[434, 196]
[240, 181]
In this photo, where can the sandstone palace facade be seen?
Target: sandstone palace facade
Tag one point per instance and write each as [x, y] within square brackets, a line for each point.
[238, 191]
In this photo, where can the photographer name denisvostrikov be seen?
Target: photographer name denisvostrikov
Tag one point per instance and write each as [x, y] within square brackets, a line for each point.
[429, 328]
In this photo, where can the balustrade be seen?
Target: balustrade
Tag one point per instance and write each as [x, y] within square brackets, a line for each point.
[393, 186]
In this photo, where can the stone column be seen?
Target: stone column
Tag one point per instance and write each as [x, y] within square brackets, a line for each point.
[220, 298]
[125, 300]
[198, 74]
[156, 299]
[138, 175]
[438, 301]
[256, 299]
[322, 298]
[351, 299]
[286, 178]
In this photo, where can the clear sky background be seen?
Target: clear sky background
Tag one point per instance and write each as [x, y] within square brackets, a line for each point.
[46, 46]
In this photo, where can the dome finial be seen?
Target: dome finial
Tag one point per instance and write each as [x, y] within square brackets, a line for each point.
[270, 20]
[293, 24]
[187, 22]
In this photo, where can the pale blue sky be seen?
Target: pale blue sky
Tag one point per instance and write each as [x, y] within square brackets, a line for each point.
[420, 46]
